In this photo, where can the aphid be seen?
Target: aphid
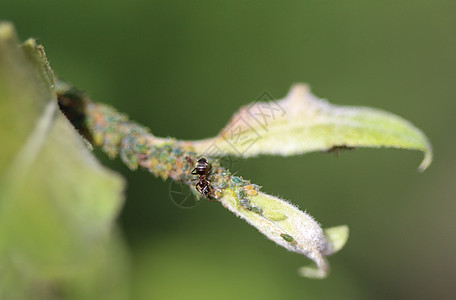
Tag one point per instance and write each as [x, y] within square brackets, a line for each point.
[203, 169]
[241, 194]
[249, 187]
[287, 237]
[236, 180]
[257, 210]
[177, 151]
[223, 185]
[245, 204]
[250, 190]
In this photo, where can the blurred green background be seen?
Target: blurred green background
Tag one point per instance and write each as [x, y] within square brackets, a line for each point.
[167, 63]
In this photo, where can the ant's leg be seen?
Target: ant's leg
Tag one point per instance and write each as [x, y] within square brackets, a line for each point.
[210, 189]
[189, 160]
[201, 188]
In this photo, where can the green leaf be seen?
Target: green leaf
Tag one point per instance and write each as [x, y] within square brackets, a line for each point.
[302, 123]
[57, 203]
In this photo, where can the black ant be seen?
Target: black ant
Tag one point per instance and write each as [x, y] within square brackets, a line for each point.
[203, 169]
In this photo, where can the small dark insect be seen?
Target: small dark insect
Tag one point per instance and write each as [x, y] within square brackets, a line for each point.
[203, 169]
[339, 148]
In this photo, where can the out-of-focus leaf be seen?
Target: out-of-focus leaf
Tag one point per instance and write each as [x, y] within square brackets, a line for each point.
[57, 203]
[302, 123]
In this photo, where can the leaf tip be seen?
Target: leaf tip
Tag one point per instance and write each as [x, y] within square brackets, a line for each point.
[313, 272]
[427, 160]
[337, 237]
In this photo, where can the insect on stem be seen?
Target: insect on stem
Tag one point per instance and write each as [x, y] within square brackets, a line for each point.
[203, 170]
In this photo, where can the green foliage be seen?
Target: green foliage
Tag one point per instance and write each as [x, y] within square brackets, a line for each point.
[57, 203]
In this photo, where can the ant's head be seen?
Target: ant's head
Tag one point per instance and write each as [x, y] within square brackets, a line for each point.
[202, 160]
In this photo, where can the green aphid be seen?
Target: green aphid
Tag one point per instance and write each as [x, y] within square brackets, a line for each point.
[223, 185]
[241, 194]
[171, 159]
[141, 147]
[110, 119]
[245, 203]
[257, 210]
[236, 180]
[129, 158]
[113, 138]
[167, 148]
[157, 150]
[226, 173]
[164, 156]
[177, 151]
[111, 150]
[287, 237]
[256, 187]
[191, 154]
[128, 139]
